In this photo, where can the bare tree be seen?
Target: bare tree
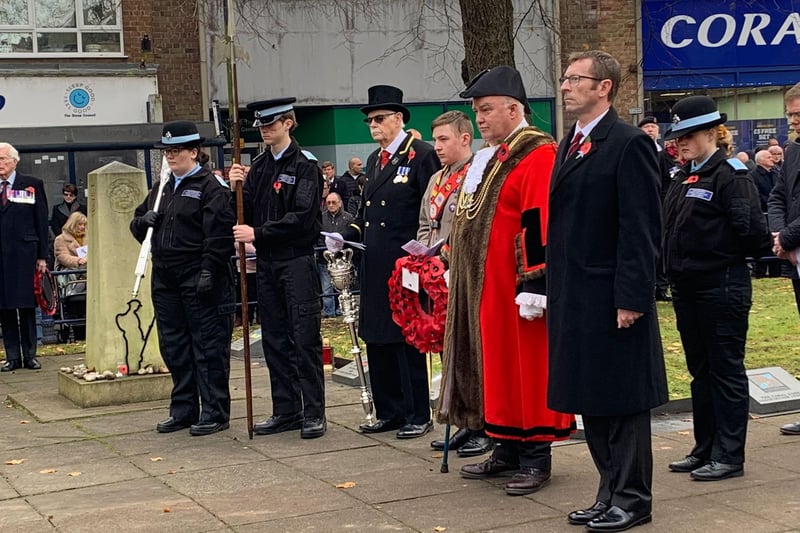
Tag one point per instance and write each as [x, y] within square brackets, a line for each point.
[488, 30]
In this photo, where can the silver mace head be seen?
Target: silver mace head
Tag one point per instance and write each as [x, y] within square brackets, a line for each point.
[340, 266]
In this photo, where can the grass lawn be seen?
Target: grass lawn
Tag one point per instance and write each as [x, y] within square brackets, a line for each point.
[773, 338]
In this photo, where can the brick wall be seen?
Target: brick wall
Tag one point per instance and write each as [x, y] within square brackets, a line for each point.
[608, 25]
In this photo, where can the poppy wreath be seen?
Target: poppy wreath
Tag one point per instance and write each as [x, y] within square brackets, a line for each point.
[422, 329]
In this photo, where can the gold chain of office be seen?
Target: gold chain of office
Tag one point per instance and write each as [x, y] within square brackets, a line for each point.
[471, 203]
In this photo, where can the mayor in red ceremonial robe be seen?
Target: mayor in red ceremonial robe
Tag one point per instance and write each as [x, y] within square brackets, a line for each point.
[495, 350]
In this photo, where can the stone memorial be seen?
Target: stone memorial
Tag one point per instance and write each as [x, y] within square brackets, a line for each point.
[773, 390]
[116, 324]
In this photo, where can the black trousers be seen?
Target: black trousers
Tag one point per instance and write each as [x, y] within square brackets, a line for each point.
[398, 376]
[19, 334]
[532, 454]
[712, 314]
[289, 310]
[796, 287]
[622, 452]
[194, 338]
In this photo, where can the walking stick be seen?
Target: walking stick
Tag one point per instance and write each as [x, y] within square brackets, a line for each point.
[445, 469]
[233, 109]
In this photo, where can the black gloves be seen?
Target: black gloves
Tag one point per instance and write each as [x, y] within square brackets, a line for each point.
[151, 219]
[205, 287]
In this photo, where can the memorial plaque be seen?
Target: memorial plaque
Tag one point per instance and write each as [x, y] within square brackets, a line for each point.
[348, 374]
[256, 349]
[773, 390]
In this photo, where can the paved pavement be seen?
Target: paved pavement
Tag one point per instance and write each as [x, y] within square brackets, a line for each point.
[105, 469]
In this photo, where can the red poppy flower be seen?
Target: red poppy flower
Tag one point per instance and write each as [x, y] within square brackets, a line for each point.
[502, 153]
[30, 189]
[692, 179]
[411, 155]
[277, 186]
[585, 147]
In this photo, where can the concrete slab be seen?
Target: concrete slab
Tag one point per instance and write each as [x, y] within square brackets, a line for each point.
[758, 503]
[371, 487]
[289, 444]
[348, 465]
[19, 515]
[145, 503]
[701, 514]
[121, 423]
[31, 434]
[7, 492]
[190, 457]
[361, 518]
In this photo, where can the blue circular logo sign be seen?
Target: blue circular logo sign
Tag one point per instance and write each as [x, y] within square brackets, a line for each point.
[2, 101]
[79, 98]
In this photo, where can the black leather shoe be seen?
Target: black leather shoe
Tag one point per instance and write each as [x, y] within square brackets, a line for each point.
[489, 468]
[382, 424]
[32, 364]
[412, 431]
[687, 464]
[168, 425]
[616, 519]
[457, 440]
[278, 424]
[715, 471]
[581, 517]
[207, 429]
[527, 481]
[313, 428]
[477, 445]
[788, 429]
[10, 366]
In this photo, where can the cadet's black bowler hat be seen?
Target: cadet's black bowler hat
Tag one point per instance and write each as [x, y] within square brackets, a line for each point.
[498, 81]
[179, 133]
[386, 97]
[268, 111]
[648, 120]
[694, 113]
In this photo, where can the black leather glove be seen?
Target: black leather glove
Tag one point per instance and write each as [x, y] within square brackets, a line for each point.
[205, 286]
[151, 219]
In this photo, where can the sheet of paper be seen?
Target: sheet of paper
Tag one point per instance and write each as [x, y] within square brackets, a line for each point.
[82, 251]
[414, 247]
[337, 237]
[411, 280]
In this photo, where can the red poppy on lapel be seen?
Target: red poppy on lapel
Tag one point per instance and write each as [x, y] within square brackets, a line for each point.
[277, 186]
[502, 152]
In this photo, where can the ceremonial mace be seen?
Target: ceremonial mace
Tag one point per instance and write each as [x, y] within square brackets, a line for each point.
[340, 266]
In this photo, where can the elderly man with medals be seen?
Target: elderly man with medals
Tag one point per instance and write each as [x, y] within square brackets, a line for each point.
[495, 349]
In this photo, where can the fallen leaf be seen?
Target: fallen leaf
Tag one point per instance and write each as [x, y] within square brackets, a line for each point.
[346, 485]
[15, 461]
[60, 351]
[24, 421]
[167, 510]
[74, 474]
[665, 448]
[440, 528]
[156, 459]
[437, 455]
[48, 471]
[684, 433]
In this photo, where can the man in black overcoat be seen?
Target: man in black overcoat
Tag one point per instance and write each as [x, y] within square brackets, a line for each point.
[606, 361]
[397, 177]
[23, 250]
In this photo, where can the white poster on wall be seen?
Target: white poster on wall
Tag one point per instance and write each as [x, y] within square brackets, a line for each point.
[27, 101]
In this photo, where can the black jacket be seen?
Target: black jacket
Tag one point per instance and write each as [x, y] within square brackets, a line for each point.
[783, 205]
[281, 201]
[197, 222]
[765, 182]
[713, 222]
[61, 213]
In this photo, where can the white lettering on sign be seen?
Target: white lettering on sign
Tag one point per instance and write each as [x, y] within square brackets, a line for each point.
[752, 27]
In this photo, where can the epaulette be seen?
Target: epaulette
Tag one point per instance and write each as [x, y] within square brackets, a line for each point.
[736, 164]
[309, 155]
[222, 182]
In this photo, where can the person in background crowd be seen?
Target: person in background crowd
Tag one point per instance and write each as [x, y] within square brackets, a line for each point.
[495, 348]
[351, 177]
[667, 166]
[355, 201]
[63, 210]
[784, 209]
[72, 237]
[602, 245]
[23, 251]
[334, 220]
[712, 222]
[335, 183]
[281, 204]
[772, 141]
[765, 175]
[397, 176]
[777, 156]
[744, 157]
[192, 283]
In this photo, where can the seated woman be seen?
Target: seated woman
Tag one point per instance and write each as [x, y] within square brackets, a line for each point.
[73, 236]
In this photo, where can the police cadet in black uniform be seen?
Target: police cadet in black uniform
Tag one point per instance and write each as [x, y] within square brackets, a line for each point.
[281, 197]
[192, 283]
[397, 176]
[712, 221]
